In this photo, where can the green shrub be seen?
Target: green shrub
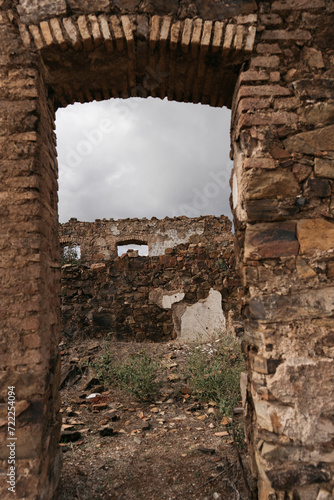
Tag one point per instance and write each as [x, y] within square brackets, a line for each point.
[214, 373]
[137, 375]
[70, 255]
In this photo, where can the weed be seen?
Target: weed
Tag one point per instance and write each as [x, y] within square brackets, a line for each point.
[214, 374]
[137, 375]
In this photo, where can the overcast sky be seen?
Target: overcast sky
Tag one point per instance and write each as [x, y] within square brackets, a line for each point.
[142, 158]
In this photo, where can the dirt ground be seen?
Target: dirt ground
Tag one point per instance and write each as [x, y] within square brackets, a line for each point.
[117, 448]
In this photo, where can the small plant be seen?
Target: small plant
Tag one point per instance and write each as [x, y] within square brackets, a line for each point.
[137, 375]
[214, 374]
[70, 255]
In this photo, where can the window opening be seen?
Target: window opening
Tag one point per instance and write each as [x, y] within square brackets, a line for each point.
[71, 254]
[141, 249]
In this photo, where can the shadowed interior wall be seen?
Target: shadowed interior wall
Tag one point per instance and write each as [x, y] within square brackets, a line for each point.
[273, 63]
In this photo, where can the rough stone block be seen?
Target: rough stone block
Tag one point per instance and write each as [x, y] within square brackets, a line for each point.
[318, 187]
[286, 35]
[267, 241]
[315, 88]
[313, 58]
[315, 234]
[211, 9]
[160, 7]
[263, 184]
[297, 5]
[128, 5]
[88, 6]
[321, 113]
[277, 307]
[312, 142]
[324, 167]
[265, 62]
[298, 474]
[34, 11]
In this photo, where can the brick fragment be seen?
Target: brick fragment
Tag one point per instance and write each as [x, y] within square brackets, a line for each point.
[264, 90]
[186, 35]
[206, 36]
[229, 34]
[273, 118]
[175, 34]
[268, 48]
[252, 104]
[286, 103]
[250, 39]
[58, 34]
[72, 33]
[217, 36]
[107, 37]
[154, 31]
[249, 19]
[238, 39]
[95, 30]
[253, 76]
[46, 33]
[128, 32]
[196, 36]
[165, 29]
[24, 35]
[265, 62]
[39, 42]
[265, 163]
[84, 32]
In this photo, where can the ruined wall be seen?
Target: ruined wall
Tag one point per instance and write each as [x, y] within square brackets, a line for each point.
[184, 289]
[283, 185]
[99, 240]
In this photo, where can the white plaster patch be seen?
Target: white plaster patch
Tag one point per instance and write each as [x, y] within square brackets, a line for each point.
[203, 319]
[235, 191]
[170, 239]
[115, 231]
[168, 300]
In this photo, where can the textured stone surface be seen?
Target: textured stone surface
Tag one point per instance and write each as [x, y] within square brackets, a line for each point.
[80, 6]
[34, 11]
[315, 234]
[324, 167]
[271, 240]
[271, 184]
[313, 142]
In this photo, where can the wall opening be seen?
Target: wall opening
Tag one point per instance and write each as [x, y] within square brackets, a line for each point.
[141, 248]
[142, 158]
[70, 254]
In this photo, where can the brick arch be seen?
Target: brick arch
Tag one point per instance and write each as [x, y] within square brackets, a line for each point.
[280, 92]
[141, 55]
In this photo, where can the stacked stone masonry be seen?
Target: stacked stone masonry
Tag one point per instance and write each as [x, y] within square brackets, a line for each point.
[131, 297]
[272, 62]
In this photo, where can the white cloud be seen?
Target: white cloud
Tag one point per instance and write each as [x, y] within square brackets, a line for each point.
[142, 158]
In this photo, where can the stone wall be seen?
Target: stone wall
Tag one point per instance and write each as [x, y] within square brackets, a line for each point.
[283, 186]
[184, 289]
